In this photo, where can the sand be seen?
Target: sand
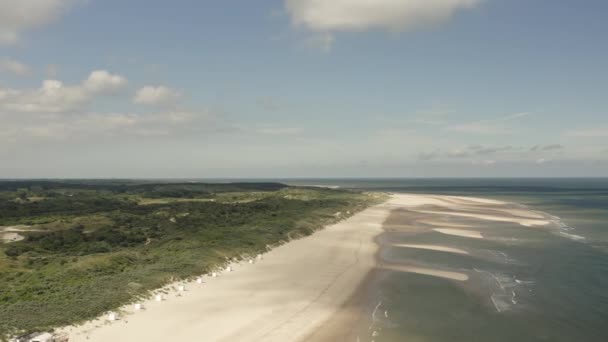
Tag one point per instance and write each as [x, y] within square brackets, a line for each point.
[428, 271]
[506, 218]
[297, 287]
[433, 248]
[11, 237]
[10, 234]
[444, 224]
[460, 232]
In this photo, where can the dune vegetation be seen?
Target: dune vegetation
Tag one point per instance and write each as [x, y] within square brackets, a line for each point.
[80, 248]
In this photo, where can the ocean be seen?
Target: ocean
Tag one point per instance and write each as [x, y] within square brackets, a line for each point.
[546, 283]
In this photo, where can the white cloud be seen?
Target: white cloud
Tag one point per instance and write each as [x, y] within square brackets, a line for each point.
[55, 97]
[155, 96]
[17, 16]
[102, 82]
[13, 66]
[360, 15]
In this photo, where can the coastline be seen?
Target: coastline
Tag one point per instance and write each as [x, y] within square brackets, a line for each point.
[318, 288]
[283, 297]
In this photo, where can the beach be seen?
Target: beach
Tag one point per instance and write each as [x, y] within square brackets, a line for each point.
[321, 287]
[283, 297]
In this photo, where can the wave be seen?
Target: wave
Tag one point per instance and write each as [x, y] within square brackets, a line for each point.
[504, 289]
[564, 229]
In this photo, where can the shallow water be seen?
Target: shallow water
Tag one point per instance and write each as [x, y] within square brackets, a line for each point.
[545, 283]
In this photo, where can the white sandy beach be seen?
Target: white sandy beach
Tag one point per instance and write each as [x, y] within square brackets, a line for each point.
[296, 287]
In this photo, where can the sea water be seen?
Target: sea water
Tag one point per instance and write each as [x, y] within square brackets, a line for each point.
[545, 283]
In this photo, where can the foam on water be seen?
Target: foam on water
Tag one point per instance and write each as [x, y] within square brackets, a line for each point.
[562, 229]
[504, 289]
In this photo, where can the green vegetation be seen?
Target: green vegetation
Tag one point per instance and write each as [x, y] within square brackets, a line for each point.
[93, 246]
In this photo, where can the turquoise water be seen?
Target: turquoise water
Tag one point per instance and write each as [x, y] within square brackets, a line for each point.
[526, 284]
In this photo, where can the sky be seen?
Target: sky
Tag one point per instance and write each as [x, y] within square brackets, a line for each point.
[303, 88]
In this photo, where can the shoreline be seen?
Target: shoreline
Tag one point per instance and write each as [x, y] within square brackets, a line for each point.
[315, 288]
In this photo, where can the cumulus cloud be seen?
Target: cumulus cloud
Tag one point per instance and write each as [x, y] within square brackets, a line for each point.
[155, 96]
[17, 16]
[13, 66]
[55, 97]
[102, 82]
[360, 15]
[326, 17]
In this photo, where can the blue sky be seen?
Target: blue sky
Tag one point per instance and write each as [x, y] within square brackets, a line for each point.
[297, 88]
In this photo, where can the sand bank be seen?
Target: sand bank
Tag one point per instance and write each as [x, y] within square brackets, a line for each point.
[506, 218]
[433, 248]
[428, 271]
[460, 232]
[440, 223]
